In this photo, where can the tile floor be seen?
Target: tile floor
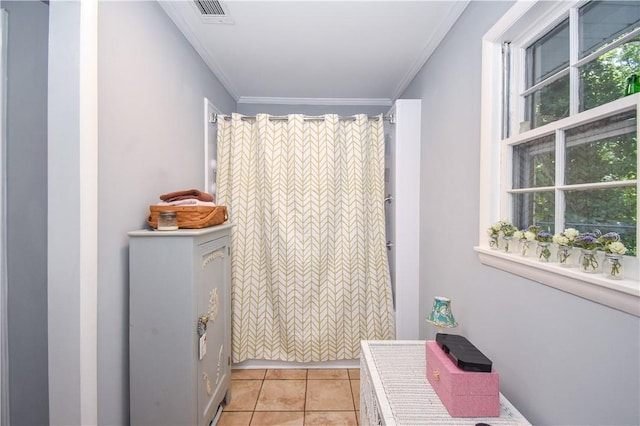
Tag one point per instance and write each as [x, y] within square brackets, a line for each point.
[293, 398]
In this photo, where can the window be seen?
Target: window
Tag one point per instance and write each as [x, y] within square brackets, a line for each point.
[560, 150]
[607, 52]
[582, 173]
[589, 184]
[547, 77]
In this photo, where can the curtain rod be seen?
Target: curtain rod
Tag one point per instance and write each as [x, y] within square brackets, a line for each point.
[214, 118]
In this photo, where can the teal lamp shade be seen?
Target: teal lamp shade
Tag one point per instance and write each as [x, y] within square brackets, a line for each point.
[441, 315]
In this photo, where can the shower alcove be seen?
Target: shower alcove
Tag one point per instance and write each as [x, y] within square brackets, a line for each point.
[402, 207]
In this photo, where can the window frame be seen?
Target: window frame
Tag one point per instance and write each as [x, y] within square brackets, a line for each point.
[525, 22]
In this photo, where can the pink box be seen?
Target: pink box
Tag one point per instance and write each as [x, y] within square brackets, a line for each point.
[463, 393]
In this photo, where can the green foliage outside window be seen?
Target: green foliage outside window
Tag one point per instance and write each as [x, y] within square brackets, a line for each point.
[589, 157]
[550, 103]
[605, 79]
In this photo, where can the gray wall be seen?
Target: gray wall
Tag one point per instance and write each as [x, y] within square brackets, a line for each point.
[26, 170]
[151, 140]
[562, 360]
[555, 352]
[277, 109]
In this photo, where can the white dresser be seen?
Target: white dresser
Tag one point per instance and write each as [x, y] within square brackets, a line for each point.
[180, 325]
[394, 389]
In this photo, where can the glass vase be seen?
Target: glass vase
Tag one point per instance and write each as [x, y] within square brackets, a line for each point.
[524, 247]
[564, 256]
[589, 261]
[543, 251]
[508, 244]
[494, 243]
[613, 268]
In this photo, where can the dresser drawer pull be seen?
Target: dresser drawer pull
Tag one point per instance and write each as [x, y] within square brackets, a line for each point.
[436, 374]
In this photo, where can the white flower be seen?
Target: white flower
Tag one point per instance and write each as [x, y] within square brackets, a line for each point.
[529, 236]
[518, 235]
[571, 233]
[561, 240]
[617, 247]
[497, 226]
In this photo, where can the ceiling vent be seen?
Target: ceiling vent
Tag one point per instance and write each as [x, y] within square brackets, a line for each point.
[213, 11]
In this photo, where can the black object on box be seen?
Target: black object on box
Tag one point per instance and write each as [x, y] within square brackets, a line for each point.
[466, 356]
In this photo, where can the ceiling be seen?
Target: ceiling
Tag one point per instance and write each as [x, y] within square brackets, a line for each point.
[340, 52]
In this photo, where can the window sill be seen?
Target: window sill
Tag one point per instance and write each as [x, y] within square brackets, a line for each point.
[623, 295]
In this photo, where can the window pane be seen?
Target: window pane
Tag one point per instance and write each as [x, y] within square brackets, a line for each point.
[602, 151]
[548, 55]
[548, 104]
[601, 22]
[604, 79]
[534, 208]
[608, 210]
[534, 163]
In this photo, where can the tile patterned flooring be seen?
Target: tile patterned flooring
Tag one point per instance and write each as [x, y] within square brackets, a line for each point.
[286, 397]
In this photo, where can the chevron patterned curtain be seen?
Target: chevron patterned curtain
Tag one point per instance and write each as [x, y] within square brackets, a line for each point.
[310, 277]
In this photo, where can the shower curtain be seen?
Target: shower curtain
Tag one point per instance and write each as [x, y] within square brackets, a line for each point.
[310, 276]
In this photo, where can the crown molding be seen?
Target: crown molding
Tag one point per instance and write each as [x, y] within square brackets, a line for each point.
[315, 101]
[172, 9]
[434, 41]
[178, 12]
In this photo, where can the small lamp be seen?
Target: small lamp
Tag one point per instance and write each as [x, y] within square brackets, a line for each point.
[441, 315]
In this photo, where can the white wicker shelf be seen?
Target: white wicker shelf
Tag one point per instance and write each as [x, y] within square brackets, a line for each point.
[394, 389]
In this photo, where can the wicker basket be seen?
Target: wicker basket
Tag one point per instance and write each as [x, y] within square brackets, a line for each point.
[193, 217]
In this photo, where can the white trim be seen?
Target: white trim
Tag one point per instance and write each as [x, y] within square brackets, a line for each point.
[315, 101]
[443, 28]
[186, 26]
[623, 295]
[407, 217]
[88, 150]
[172, 9]
[72, 181]
[528, 20]
[608, 109]
[490, 122]
[267, 364]
[574, 76]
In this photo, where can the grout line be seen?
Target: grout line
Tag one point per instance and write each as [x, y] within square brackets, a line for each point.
[353, 396]
[304, 406]
[257, 398]
[304, 410]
